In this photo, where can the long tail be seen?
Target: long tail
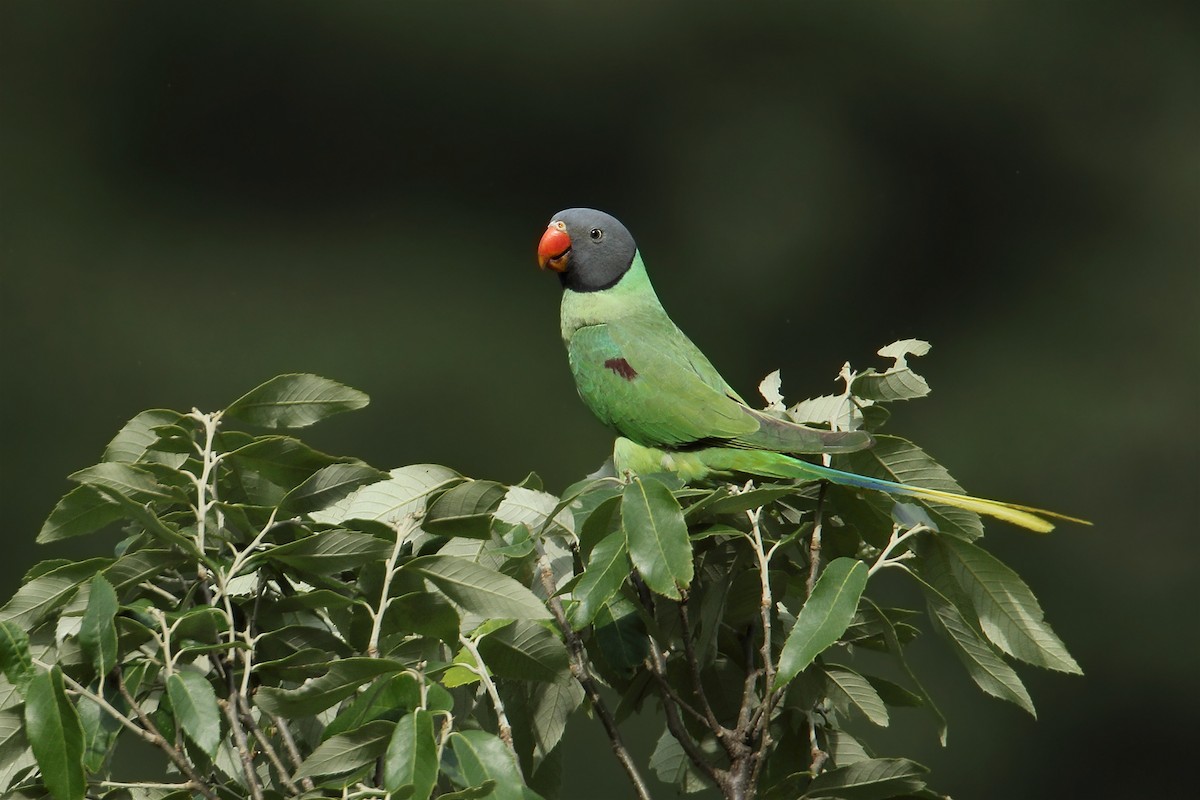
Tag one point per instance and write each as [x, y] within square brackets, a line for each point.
[778, 465]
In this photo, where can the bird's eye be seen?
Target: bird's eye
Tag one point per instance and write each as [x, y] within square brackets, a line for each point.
[596, 234]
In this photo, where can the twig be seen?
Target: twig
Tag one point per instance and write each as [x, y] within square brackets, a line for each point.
[151, 734]
[289, 744]
[814, 543]
[265, 743]
[893, 542]
[579, 670]
[389, 572]
[239, 738]
[656, 664]
[708, 717]
[486, 679]
[819, 756]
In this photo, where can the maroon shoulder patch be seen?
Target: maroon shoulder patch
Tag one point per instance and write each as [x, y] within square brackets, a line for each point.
[621, 367]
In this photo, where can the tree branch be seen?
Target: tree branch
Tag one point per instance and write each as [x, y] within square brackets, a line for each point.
[579, 670]
[239, 738]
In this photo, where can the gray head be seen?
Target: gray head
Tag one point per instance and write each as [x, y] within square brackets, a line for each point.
[590, 250]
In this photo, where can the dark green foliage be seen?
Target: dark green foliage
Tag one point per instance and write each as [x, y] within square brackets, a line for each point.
[280, 622]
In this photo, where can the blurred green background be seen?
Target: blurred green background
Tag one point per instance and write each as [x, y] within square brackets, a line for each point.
[195, 198]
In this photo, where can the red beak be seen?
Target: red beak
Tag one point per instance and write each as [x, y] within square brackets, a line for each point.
[554, 250]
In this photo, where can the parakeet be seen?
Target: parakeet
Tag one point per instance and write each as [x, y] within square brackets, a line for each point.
[639, 374]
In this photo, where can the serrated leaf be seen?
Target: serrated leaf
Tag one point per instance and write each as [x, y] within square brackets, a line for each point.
[137, 439]
[390, 501]
[318, 694]
[830, 409]
[656, 536]
[283, 460]
[55, 734]
[330, 484]
[347, 752]
[386, 698]
[672, 765]
[424, 613]
[411, 757]
[133, 568]
[872, 779]
[478, 589]
[195, 705]
[607, 569]
[823, 618]
[100, 731]
[551, 706]
[98, 630]
[81, 511]
[15, 660]
[537, 510]
[769, 387]
[482, 757]
[465, 510]
[1009, 613]
[15, 755]
[984, 665]
[524, 650]
[295, 401]
[853, 690]
[329, 552]
[47, 592]
[621, 634]
[899, 460]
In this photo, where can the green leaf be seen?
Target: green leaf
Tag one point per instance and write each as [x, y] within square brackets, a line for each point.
[551, 706]
[872, 779]
[893, 646]
[330, 552]
[656, 536]
[133, 568]
[98, 630]
[984, 665]
[330, 484]
[524, 650]
[347, 752]
[55, 734]
[411, 758]
[15, 755]
[465, 510]
[282, 460]
[82, 510]
[386, 698]
[483, 757]
[1009, 614]
[896, 459]
[849, 689]
[672, 765]
[136, 483]
[478, 589]
[100, 731]
[341, 681]
[424, 613]
[537, 511]
[195, 706]
[49, 591]
[294, 401]
[391, 501]
[823, 618]
[607, 569]
[137, 440]
[15, 660]
[898, 382]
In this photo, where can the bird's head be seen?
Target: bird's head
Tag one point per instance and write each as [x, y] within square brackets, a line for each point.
[590, 250]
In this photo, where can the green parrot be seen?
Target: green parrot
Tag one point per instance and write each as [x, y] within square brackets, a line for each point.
[639, 374]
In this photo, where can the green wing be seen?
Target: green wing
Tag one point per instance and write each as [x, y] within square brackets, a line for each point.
[645, 378]
[653, 385]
